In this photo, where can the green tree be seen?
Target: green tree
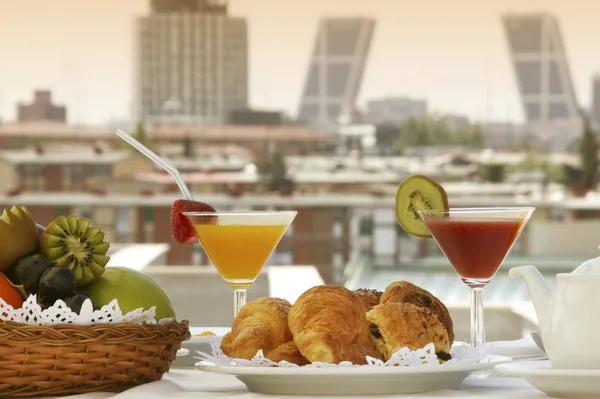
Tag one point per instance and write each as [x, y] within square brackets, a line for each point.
[522, 145]
[140, 133]
[434, 130]
[275, 175]
[492, 172]
[531, 162]
[188, 147]
[422, 132]
[572, 175]
[469, 136]
[386, 135]
[553, 173]
[584, 177]
[588, 152]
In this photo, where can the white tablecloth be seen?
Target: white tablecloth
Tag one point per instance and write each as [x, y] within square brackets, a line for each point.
[195, 384]
[189, 383]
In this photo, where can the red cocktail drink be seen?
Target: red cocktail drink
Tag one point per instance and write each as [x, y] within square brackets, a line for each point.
[474, 247]
[476, 241]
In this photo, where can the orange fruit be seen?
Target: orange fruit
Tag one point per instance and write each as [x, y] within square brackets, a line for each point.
[12, 294]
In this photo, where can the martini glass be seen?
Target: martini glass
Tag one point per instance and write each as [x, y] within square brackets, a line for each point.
[239, 244]
[476, 242]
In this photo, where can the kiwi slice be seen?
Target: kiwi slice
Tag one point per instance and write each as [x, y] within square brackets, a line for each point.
[418, 193]
[70, 242]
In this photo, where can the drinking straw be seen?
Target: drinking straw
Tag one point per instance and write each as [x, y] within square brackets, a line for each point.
[159, 161]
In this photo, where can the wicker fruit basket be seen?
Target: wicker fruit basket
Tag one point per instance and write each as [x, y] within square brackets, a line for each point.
[72, 359]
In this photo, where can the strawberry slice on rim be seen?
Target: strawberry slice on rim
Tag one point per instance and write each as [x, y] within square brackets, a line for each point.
[181, 227]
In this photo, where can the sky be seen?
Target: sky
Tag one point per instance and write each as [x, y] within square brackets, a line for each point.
[451, 53]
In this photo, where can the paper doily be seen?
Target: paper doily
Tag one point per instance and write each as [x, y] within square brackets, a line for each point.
[60, 313]
[402, 358]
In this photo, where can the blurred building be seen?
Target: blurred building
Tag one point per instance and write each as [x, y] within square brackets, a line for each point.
[172, 6]
[395, 109]
[336, 68]
[330, 225]
[66, 168]
[258, 139]
[41, 109]
[192, 62]
[498, 135]
[543, 77]
[255, 117]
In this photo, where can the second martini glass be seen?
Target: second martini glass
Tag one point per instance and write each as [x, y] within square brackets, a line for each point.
[240, 243]
[476, 242]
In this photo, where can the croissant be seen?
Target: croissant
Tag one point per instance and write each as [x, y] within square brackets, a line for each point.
[398, 325]
[260, 324]
[369, 298]
[288, 352]
[329, 325]
[403, 291]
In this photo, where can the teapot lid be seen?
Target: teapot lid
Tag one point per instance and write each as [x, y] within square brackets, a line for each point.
[591, 266]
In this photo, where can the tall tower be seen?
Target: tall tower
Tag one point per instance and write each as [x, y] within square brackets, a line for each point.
[543, 77]
[336, 69]
[192, 62]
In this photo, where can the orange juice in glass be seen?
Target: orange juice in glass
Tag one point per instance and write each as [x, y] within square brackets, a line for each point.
[240, 243]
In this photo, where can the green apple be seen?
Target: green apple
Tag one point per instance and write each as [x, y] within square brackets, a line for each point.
[133, 290]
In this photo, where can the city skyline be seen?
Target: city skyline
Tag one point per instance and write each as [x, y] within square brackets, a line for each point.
[336, 68]
[86, 57]
[191, 66]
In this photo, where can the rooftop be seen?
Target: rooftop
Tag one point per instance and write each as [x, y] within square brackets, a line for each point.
[249, 175]
[176, 149]
[333, 200]
[57, 130]
[83, 155]
[209, 162]
[239, 133]
[198, 177]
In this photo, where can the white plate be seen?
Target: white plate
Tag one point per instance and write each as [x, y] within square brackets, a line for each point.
[567, 384]
[218, 331]
[352, 380]
[182, 352]
[186, 356]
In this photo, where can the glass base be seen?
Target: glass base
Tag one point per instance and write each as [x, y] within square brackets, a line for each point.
[239, 284]
[476, 282]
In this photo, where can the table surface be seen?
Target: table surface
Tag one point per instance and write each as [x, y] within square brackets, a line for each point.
[187, 383]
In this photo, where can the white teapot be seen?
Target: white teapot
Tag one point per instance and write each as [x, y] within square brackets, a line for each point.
[568, 318]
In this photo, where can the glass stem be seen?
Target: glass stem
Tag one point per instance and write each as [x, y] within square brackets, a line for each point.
[477, 322]
[239, 300]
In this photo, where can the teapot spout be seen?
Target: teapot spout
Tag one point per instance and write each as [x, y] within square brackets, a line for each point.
[538, 289]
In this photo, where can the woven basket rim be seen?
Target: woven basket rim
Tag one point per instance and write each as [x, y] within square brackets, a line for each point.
[15, 324]
[12, 333]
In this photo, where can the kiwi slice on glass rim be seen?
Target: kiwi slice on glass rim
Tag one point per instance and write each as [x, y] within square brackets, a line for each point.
[418, 193]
